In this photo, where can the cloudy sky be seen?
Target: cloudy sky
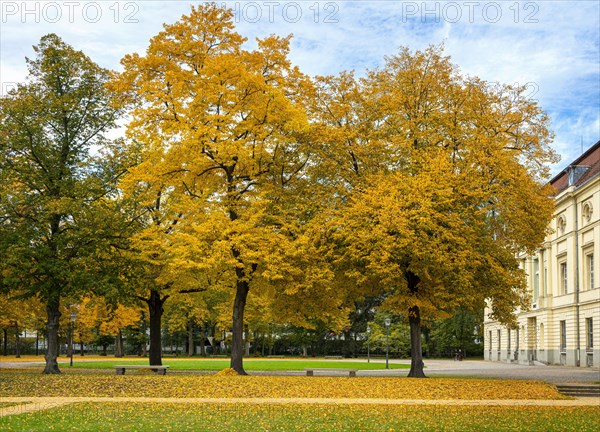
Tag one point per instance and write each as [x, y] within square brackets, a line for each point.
[552, 47]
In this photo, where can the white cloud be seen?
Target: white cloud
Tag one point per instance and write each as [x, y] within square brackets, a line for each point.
[554, 45]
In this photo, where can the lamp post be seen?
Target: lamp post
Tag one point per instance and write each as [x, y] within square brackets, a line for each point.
[368, 344]
[387, 344]
[73, 317]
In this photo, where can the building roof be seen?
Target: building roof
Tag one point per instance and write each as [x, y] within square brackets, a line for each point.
[580, 171]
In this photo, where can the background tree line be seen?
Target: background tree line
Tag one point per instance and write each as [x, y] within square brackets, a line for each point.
[100, 330]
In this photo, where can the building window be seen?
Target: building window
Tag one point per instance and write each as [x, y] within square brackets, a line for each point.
[490, 340]
[509, 331]
[563, 335]
[589, 330]
[589, 263]
[536, 280]
[563, 278]
[499, 339]
[545, 274]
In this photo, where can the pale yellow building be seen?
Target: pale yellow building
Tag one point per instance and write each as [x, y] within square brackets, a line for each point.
[563, 325]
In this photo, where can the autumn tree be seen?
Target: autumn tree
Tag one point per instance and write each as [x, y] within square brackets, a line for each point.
[223, 136]
[440, 222]
[53, 190]
[86, 322]
[10, 317]
[188, 313]
[161, 255]
[17, 314]
[97, 317]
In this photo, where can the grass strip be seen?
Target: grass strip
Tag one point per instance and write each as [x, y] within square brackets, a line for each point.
[208, 417]
[249, 364]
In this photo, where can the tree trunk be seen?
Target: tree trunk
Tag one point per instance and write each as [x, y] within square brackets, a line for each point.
[247, 341]
[202, 334]
[191, 347]
[416, 352]
[53, 313]
[155, 307]
[119, 344]
[37, 342]
[80, 346]
[5, 332]
[237, 340]
[241, 293]
[17, 344]
[70, 341]
[427, 342]
[256, 346]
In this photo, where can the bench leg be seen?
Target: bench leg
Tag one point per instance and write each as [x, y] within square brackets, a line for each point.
[352, 373]
[161, 372]
[309, 373]
[120, 371]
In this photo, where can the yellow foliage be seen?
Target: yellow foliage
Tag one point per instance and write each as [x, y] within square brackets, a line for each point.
[93, 313]
[27, 313]
[440, 222]
[224, 149]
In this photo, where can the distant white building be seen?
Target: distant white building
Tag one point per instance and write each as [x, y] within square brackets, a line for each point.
[563, 325]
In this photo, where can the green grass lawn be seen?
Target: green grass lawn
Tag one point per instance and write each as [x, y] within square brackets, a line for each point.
[249, 364]
[211, 417]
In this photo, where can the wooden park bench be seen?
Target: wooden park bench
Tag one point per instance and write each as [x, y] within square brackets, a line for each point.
[333, 357]
[160, 370]
[311, 371]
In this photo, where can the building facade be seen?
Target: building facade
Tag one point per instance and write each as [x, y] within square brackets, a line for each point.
[563, 325]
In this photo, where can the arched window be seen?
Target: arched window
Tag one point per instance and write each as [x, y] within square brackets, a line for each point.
[587, 212]
[561, 224]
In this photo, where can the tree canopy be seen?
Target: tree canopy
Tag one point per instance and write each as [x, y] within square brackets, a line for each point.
[224, 136]
[412, 188]
[53, 188]
[440, 224]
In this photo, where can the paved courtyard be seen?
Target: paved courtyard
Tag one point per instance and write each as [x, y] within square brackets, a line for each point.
[485, 369]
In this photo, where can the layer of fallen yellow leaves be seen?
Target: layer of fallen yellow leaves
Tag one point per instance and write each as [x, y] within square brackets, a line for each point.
[227, 372]
[12, 384]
